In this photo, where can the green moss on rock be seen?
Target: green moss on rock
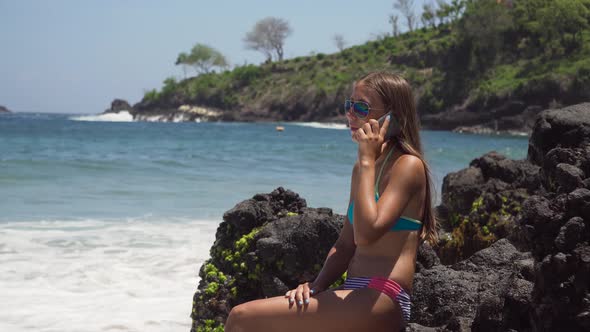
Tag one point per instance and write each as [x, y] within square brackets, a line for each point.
[478, 230]
[210, 326]
[339, 282]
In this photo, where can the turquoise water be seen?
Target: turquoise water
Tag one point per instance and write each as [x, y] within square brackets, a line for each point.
[53, 168]
[104, 225]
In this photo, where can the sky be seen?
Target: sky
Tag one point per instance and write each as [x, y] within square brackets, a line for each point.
[74, 56]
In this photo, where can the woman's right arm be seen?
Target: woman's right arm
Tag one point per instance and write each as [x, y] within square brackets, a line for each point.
[342, 251]
[337, 259]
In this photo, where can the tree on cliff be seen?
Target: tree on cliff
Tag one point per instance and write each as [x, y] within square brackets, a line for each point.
[182, 60]
[339, 41]
[268, 36]
[203, 58]
[450, 12]
[393, 20]
[406, 7]
[428, 15]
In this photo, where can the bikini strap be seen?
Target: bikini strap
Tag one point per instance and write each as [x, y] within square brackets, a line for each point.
[381, 171]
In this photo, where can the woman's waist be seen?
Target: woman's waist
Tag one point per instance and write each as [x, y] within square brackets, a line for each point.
[399, 269]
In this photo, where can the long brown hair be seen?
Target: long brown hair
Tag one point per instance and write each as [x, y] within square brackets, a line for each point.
[397, 96]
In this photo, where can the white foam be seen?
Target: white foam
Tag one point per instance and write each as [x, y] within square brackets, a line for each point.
[180, 117]
[122, 116]
[152, 118]
[321, 125]
[100, 276]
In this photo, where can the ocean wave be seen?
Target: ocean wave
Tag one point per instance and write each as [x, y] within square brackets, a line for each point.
[85, 275]
[321, 125]
[122, 116]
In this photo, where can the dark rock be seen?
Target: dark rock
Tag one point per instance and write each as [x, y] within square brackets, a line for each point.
[570, 234]
[526, 268]
[489, 314]
[4, 109]
[559, 155]
[426, 257]
[413, 327]
[517, 173]
[272, 286]
[297, 241]
[544, 222]
[499, 256]
[518, 304]
[440, 293]
[568, 177]
[118, 105]
[458, 324]
[265, 246]
[579, 200]
[566, 127]
[546, 289]
[482, 203]
[446, 296]
[461, 188]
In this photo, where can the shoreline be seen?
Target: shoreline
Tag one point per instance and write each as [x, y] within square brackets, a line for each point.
[126, 116]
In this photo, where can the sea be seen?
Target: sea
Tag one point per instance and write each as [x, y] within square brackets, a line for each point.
[105, 222]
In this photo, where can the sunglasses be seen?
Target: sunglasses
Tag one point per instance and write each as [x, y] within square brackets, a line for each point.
[359, 108]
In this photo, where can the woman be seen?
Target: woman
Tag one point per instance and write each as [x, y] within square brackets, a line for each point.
[389, 214]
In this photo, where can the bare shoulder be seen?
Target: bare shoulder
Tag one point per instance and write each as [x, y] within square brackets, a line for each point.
[410, 168]
[410, 162]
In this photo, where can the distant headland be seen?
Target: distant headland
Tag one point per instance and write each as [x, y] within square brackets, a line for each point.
[485, 68]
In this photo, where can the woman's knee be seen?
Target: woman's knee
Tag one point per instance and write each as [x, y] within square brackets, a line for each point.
[235, 320]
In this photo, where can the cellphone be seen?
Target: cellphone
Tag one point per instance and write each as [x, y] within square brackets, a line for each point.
[393, 128]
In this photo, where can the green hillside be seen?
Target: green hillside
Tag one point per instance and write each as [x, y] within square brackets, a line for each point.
[534, 52]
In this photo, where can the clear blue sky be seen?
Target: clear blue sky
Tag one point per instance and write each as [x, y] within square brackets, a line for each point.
[73, 56]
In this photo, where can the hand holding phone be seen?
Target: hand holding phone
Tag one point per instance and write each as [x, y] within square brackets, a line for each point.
[392, 129]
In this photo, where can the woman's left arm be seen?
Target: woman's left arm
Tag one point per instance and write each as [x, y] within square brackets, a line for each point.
[373, 219]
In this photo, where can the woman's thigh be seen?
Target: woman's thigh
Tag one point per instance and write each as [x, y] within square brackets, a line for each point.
[341, 310]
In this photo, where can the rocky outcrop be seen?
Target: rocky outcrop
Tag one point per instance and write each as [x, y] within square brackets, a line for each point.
[4, 109]
[119, 105]
[488, 291]
[566, 131]
[480, 204]
[265, 246]
[183, 113]
[514, 253]
[543, 283]
[512, 117]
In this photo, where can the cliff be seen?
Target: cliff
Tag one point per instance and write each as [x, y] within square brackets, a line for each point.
[491, 69]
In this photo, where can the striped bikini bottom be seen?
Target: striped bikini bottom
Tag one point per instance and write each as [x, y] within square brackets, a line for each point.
[386, 286]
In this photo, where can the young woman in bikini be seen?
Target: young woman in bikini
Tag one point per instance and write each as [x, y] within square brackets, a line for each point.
[392, 214]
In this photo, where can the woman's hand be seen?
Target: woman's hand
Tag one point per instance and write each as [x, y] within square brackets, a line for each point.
[302, 293]
[370, 138]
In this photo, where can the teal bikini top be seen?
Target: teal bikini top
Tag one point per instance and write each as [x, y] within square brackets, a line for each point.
[403, 223]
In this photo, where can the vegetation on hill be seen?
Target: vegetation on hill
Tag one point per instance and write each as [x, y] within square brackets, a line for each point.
[475, 57]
